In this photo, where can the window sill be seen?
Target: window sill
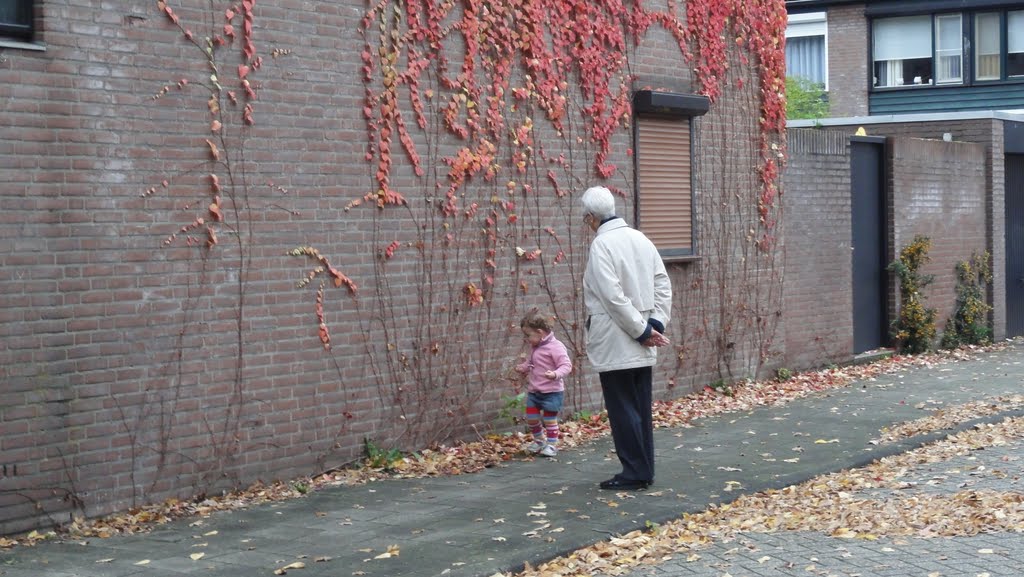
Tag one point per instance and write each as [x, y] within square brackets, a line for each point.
[20, 45]
[681, 259]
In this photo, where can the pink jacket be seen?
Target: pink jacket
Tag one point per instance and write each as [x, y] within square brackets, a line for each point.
[548, 355]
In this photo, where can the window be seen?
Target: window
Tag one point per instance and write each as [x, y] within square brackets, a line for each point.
[16, 19]
[949, 49]
[902, 51]
[665, 195]
[989, 34]
[806, 48]
[1015, 43]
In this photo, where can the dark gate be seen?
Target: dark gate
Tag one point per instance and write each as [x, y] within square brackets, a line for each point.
[869, 261]
[1014, 245]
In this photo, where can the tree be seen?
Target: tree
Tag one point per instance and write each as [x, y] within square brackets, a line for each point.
[805, 99]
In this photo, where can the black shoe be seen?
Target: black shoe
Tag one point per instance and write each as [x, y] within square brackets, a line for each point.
[617, 484]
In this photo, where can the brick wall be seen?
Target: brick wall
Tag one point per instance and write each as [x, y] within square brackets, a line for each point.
[128, 374]
[819, 283]
[938, 189]
[848, 73]
[989, 134]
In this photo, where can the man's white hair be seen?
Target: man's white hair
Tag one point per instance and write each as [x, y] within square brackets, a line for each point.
[599, 202]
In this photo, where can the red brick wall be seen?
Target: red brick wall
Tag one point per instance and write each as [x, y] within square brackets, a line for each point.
[120, 365]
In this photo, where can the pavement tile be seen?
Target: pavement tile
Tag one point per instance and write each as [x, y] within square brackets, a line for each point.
[445, 526]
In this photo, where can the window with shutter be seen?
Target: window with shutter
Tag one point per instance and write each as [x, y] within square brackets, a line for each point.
[664, 187]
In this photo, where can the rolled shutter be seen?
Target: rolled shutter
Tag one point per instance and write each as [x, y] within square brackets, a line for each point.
[664, 195]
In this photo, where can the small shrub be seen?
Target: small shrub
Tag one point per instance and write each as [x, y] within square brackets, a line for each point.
[914, 329]
[783, 374]
[512, 408]
[969, 323]
[379, 458]
[721, 387]
[582, 416]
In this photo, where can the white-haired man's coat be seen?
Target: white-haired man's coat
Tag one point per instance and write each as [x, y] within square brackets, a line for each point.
[624, 285]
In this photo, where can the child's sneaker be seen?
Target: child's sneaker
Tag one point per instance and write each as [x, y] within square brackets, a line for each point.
[535, 447]
[549, 451]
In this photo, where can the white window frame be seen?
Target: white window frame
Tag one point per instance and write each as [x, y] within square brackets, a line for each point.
[942, 52]
[809, 25]
[980, 50]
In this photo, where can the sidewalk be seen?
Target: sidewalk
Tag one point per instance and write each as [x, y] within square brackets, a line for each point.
[530, 511]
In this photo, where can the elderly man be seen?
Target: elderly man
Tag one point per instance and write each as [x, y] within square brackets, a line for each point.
[628, 297]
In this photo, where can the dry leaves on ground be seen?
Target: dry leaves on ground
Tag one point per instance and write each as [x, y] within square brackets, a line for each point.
[492, 449]
[830, 504]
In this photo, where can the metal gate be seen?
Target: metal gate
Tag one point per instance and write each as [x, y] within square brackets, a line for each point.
[1014, 245]
[869, 261]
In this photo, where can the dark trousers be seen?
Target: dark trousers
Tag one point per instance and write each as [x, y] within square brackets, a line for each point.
[627, 396]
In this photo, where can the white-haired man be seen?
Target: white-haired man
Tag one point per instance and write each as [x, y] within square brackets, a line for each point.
[628, 299]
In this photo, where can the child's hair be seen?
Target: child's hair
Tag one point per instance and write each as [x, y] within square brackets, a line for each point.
[535, 320]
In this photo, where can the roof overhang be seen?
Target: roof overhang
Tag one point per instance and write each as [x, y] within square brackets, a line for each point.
[670, 103]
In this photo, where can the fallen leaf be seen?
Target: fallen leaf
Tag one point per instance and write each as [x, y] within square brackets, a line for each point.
[284, 570]
[197, 556]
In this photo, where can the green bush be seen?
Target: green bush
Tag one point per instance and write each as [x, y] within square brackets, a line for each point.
[914, 329]
[805, 99]
[378, 457]
[969, 323]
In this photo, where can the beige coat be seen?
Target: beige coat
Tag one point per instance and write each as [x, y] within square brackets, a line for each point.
[625, 284]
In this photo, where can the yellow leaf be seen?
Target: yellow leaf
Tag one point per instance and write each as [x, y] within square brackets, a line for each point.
[844, 533]
[143, 562]
[824, 442]
[197, 556]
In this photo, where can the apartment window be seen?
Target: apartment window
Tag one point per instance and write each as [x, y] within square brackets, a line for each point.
[949, 49]
[807, 47]
[16, 19]
[902, 51]
[664, 191]
[988, 31]
[1015, 44]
